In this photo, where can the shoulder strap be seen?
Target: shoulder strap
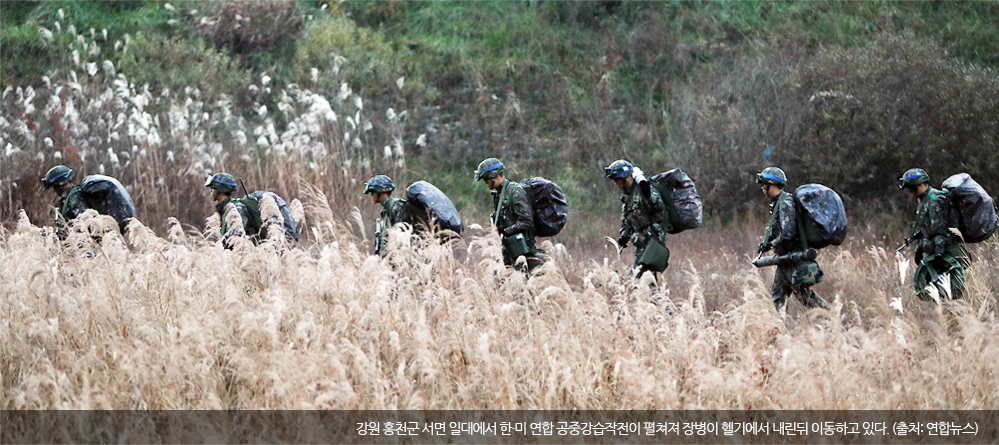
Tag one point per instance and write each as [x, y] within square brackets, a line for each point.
[504, 194]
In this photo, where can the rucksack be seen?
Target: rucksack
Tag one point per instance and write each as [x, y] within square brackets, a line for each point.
[551, 210]
[975, 208]
[684, 210]
[823, 215]
[108, 197]
[436, 204]
[289, 223]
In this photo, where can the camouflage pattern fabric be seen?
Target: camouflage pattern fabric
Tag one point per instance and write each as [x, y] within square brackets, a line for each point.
[953, 262]
[934, 217]
[514, 214]
[782, 288]
[940, 250]
[72, 203]
[782, 236]
[249, 213]
[642, 220]
[394, 211]
[782, 231]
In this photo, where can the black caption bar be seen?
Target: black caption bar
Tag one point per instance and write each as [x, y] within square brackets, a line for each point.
[468, 427]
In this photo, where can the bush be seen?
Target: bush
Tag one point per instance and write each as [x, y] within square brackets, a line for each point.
[176, 64]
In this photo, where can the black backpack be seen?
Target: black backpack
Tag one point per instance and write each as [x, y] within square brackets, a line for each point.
[108, 197]
[975, 208]
[551, 210]
[436, 205]
[823, 215]
[684, 210]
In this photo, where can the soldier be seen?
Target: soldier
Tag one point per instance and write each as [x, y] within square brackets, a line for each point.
[940, 252]
[394, 210]
[513, 215]
[247, 209]
[102, 193]
[643, 211]
[782, 236]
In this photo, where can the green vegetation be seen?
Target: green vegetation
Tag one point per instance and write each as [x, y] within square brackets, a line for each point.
[563, 88]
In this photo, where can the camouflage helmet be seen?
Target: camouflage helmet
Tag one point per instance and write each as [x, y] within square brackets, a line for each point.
[489, 169]
[58, 176]
[222, 183]
[913, 177]
[773, 176]
[618, 169]
[379, 184]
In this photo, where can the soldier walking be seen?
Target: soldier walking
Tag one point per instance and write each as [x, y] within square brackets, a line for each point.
[783, 237]
[394, 210]
[102, 193]
[940, 252]
[513, 215]
[642, 218]
[242, 217]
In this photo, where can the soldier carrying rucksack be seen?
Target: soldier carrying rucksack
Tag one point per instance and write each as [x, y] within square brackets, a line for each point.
[394, 210]
[643, 219]
[242, 217]
[785, 235]
[102, 193]
[513, 216]
[941, 257]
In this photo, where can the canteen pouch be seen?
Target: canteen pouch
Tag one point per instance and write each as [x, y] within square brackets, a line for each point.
[655, 257]
[516, 245]
[806, 273]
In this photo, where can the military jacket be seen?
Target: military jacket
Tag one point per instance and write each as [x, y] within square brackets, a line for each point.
[72, 203]
[641, 215]
[249, 213]
[935, 215]
[395, 211]
[514, 213]
[782, 231]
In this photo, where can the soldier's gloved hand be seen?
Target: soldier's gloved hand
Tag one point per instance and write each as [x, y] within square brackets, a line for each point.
[622, 241]
[764, 247]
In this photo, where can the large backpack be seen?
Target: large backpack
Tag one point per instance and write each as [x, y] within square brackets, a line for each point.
[976, 211]
[823, 215]
[289, 223]
[436, 204]
[108, 197]
[684, 210]
[551, 210]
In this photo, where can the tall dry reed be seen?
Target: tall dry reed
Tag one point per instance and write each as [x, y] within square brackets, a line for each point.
[102, 321]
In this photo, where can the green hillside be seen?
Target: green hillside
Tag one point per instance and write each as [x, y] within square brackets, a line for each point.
[848, 94]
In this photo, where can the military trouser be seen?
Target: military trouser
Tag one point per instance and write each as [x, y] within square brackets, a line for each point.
[641, 241]
[782, 287]
[535, 257]
[952, 262]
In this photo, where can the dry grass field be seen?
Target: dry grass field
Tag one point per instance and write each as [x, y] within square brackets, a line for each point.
[144, 322]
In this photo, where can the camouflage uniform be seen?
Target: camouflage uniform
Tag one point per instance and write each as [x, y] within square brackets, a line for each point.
[939, 250]
[642, 220]
[249, 213]
[514, 214]
[398, 211]
[783, 237]
[72, 203]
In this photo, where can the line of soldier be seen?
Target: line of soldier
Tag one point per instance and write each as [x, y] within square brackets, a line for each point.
[940, 251]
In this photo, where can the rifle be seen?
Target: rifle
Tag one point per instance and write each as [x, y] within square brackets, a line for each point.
[915, 236]
[378, 236]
